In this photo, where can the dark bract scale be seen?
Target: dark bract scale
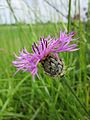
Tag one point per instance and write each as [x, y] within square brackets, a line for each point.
[52, 65]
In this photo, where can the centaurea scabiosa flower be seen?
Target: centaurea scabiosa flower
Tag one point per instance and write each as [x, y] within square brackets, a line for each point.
[46, 53]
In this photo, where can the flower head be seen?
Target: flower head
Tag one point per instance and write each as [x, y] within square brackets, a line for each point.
[46, 53]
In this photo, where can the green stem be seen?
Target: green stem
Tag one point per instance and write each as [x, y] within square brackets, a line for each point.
[68, 27]
[66, 83]
[69, 17]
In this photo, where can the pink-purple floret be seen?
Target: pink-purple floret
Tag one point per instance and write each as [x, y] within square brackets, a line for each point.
[28, 62]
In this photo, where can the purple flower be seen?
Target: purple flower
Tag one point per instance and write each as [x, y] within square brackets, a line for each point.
[46, 53]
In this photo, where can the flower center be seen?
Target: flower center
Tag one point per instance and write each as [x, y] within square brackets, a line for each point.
[52, 65]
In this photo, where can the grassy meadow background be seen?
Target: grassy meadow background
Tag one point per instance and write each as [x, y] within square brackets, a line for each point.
[49, 98]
